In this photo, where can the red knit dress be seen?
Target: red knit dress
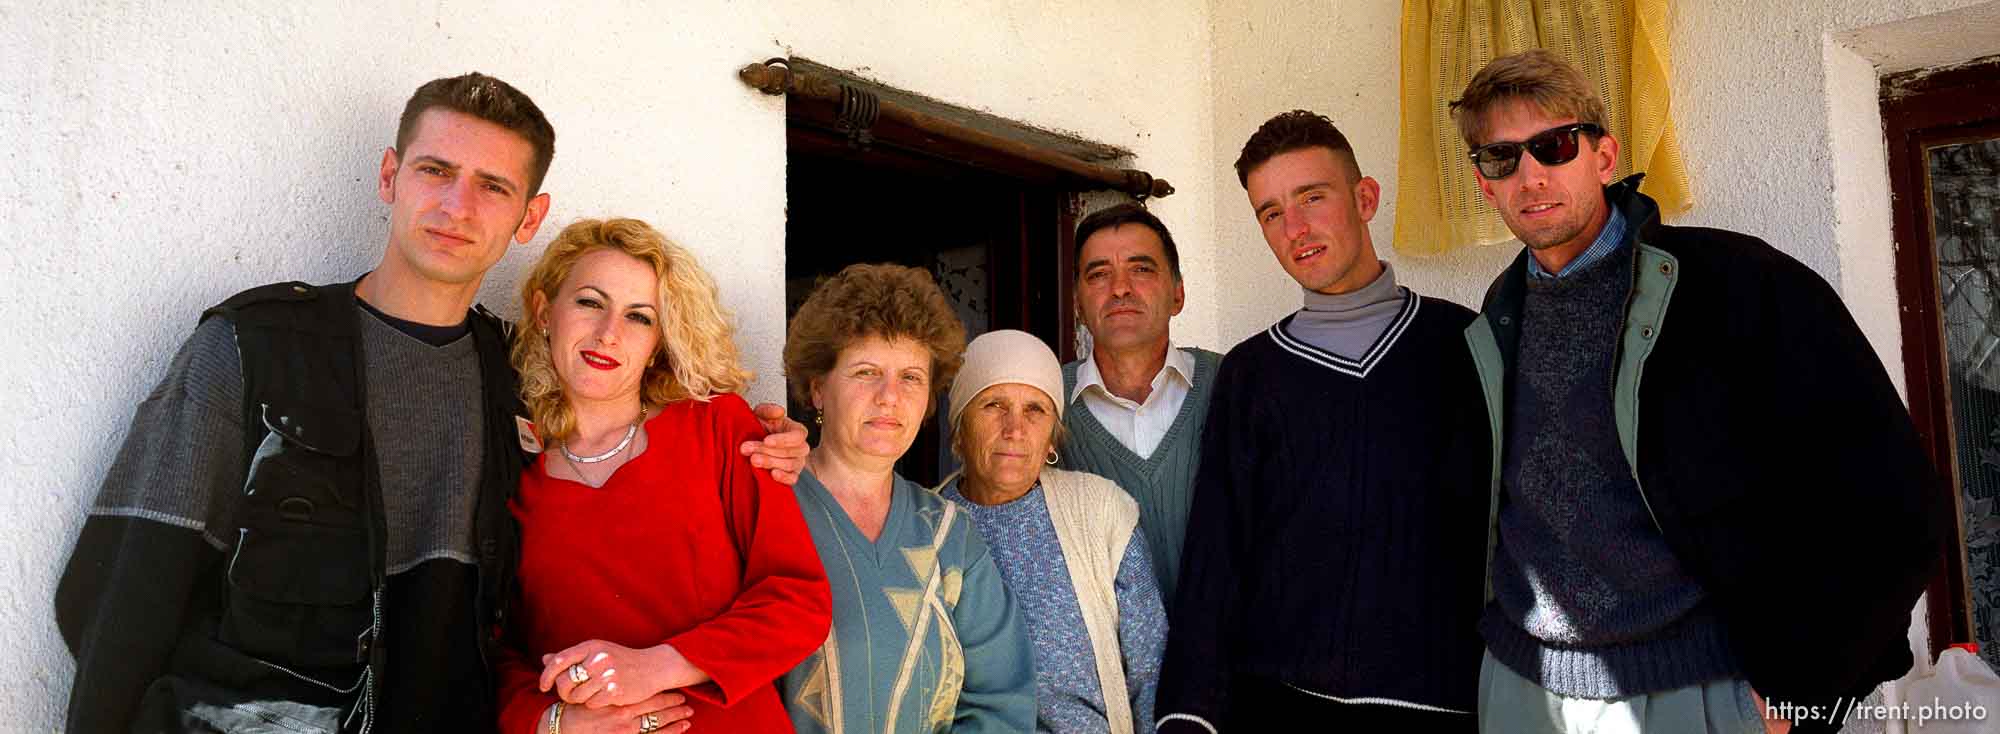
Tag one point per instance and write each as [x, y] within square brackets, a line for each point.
[686, 544]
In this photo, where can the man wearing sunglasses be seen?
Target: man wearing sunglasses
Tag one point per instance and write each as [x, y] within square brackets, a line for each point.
[1710, 510]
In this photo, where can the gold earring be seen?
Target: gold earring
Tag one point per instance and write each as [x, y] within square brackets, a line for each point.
[819, 419]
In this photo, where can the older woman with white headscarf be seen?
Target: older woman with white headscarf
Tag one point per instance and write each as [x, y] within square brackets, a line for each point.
[1067, 543]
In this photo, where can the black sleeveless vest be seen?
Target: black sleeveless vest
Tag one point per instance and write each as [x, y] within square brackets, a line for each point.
[300, 606]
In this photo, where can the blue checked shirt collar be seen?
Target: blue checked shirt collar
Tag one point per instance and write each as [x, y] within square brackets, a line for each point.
[1606, 243]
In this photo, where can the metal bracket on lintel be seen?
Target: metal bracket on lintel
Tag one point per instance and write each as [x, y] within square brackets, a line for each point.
[859, 108]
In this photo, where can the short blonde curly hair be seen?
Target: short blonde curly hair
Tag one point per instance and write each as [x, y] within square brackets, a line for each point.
[886, 301]
[696, 356]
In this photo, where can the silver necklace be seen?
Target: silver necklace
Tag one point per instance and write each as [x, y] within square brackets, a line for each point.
[630, 431]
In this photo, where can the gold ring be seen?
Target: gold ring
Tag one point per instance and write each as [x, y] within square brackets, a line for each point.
[649, 723]
[577, 674]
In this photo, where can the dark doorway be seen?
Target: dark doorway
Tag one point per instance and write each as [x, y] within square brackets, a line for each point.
[1943, 131]
[996, 244]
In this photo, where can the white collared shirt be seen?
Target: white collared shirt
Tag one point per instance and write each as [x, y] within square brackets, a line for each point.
[1139, 426]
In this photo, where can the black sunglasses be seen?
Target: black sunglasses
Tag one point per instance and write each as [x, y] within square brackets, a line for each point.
[1553, 147]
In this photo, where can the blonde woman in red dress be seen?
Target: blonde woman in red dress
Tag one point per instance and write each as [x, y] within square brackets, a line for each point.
[663, 580]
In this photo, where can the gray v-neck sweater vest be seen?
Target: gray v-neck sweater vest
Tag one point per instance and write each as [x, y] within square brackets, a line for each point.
[1162, 483]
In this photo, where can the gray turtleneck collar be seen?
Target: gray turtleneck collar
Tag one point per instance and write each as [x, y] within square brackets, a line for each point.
[1349, 323]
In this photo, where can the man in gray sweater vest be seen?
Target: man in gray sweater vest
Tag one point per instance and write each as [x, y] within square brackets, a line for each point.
[1137, 402]
[1633, 550]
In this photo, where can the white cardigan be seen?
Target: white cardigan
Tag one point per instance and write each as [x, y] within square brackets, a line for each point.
[1094, 520]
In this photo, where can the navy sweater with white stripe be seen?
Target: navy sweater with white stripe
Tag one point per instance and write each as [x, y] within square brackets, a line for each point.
[1336, 540]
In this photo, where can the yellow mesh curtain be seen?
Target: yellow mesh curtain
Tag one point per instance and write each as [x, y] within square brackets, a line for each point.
[1619, 44]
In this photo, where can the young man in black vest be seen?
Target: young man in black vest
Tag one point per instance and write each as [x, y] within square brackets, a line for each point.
[1334, 548]
[307, 526]
[1710, 510]
[1137, 401]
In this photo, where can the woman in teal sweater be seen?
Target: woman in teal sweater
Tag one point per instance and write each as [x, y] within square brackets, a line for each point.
[925, 635]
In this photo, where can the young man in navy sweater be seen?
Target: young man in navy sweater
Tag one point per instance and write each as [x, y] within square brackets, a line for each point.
[1332, 562]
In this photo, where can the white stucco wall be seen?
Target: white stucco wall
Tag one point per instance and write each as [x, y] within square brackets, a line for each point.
[161, 156]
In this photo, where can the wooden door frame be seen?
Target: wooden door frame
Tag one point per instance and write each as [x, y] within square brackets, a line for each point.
[1921, 110]
[1046, 208]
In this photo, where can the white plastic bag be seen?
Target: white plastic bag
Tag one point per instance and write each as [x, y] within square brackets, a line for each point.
[1960, 696]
